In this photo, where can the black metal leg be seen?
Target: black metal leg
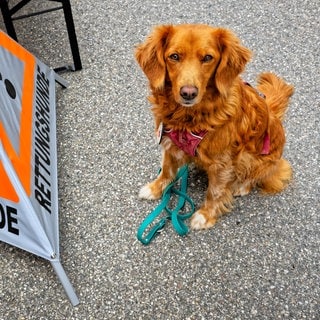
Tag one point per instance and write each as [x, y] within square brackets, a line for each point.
[8, 13]
[8, 19]
[72, 34]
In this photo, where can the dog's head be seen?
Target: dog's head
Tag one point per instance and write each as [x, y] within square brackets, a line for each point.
[191, 58]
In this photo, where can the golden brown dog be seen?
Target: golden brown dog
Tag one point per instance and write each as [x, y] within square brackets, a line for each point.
[205, 113]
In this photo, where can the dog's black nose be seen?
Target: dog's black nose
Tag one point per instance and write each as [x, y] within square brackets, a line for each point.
[188, 92]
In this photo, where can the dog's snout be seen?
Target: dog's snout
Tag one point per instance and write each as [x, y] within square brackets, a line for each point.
[188, 92]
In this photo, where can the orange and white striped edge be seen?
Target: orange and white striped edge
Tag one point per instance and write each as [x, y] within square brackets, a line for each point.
[21, 162]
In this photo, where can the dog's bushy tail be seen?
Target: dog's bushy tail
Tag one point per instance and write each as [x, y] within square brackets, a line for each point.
[277, 93]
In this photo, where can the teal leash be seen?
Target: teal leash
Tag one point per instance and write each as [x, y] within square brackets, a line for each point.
[177, 219]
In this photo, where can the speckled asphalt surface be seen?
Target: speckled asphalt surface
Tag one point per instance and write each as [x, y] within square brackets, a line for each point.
[259, 262]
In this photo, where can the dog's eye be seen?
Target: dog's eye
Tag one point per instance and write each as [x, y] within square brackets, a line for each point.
[207, 58]
[174, 57]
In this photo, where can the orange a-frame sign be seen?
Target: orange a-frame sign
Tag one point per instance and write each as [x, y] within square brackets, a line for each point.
[28, 156]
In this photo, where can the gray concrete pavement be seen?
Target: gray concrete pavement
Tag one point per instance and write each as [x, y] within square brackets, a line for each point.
[259, 262]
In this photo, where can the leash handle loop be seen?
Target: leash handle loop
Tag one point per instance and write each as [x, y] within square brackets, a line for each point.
[173, 215]
[148, 221]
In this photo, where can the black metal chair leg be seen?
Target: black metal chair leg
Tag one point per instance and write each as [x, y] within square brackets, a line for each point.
[7, 19]
[72, 34]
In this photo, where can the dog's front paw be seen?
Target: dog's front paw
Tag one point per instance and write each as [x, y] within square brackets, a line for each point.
[202, 220]
[148, 193]
[242, 189]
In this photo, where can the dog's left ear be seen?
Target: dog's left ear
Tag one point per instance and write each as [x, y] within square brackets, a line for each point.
[233, 59]
[150, 56]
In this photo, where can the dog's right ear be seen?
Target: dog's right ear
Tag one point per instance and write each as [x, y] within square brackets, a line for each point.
[150, 56]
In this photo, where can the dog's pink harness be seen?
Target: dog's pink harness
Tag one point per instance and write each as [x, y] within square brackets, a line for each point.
[185, 140]
[266, 144]
[189, 141]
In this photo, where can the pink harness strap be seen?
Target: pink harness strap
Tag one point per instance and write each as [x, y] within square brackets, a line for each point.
[266, 144]
[185, 140]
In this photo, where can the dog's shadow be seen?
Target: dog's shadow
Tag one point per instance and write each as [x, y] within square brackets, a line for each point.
[197, 184]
